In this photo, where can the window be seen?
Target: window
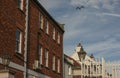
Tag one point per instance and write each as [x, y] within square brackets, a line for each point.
[30, 76]
[18, 41]
[58, 39]
[41, 20]
[46, 57]
[69, 70]
[46, 26]
[53, 33]
[34, 77]
[58, 68]
[40, 53]
[53, 60]
[20, 4]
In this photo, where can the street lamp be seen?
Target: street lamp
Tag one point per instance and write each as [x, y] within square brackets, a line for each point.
[5, 60]
[81, 54]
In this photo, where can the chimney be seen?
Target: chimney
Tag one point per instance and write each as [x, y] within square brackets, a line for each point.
[62, 26]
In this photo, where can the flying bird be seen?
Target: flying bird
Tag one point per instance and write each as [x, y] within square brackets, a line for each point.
[82, 6]
[79, 7]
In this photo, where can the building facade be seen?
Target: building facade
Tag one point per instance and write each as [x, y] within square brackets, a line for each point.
[71, 67]
[88, 67]
[32, 39]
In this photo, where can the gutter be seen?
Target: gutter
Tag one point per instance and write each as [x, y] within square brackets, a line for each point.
[26, 39]
[63, 65]
[49, 16]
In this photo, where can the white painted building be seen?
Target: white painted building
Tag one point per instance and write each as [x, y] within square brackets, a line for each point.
[71, 67]
[90, 67]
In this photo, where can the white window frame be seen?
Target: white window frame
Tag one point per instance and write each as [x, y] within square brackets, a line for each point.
[58, 39]
[58, 67]
[46, 26]
[46, 57]
[69, 70]
[53, 33]
[18, 41]
[20, 5]
[53, 66]
[41, 20]
[40, 54]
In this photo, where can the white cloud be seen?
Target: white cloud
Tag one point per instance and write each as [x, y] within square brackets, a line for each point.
[90, 24]
[97, 4]
[103, 46]
[48, 4]
[108, 48]
[77, 2]
[69, 49]
[72, 26]
[111, 14]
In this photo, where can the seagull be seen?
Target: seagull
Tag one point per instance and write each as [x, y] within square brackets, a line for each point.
[80, 7]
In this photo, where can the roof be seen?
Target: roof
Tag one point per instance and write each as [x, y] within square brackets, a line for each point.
[91, 56]
[45, 11]
[69, 60]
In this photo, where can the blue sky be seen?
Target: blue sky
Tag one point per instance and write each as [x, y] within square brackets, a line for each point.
[97, 26]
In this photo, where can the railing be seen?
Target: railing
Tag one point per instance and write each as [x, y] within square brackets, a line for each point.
[100, 69]
[112, 69]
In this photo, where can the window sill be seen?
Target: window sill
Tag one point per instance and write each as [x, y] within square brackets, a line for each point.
[41, 65]
[54, 40]
[47, 34]
[41, 28]
[58, 72]
[21, 11]
[55, 71]
[59, 44]
[47, 67]
[20, 56]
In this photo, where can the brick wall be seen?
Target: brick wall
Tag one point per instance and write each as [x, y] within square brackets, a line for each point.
[45, 40]
[12, 18]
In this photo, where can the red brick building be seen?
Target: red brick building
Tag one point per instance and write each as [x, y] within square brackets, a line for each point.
[32, 39]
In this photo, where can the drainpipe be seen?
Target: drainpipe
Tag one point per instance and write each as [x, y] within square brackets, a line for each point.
[63, 65]
[26, 39]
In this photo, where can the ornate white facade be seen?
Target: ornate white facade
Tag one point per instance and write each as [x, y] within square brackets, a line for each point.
[89, 66]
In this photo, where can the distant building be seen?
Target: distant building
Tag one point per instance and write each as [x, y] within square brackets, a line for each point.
[32, 39]
[88, 66]
[71, 67]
